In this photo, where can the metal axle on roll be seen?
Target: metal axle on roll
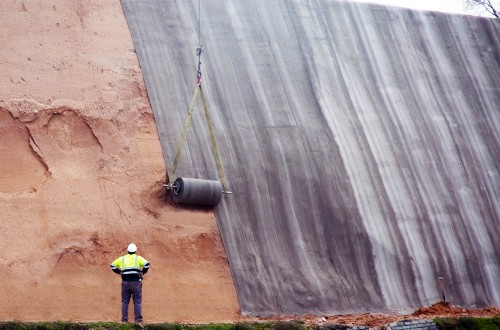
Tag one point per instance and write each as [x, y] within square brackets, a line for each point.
[196, 191]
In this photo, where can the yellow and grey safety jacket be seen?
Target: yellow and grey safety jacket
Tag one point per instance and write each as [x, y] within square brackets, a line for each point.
[131, 267]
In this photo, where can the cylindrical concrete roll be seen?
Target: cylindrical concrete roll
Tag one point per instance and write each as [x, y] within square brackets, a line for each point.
[197, 191]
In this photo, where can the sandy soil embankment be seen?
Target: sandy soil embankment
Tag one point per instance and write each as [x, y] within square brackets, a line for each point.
[81, 172]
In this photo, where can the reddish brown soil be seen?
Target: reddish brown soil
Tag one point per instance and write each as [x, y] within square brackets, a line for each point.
[438, 310]
[444, 308]
[81, 173]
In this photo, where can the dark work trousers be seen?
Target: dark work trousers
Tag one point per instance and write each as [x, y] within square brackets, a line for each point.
[132, 289]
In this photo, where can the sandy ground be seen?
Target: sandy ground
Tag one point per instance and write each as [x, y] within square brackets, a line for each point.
[81, 173]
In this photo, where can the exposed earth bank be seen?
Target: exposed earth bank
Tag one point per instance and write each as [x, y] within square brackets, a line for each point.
[81, 174]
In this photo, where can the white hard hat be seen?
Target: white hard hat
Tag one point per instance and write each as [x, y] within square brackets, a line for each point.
[132, 247]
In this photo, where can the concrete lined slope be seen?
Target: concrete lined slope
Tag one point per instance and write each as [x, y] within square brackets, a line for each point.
[361, 143]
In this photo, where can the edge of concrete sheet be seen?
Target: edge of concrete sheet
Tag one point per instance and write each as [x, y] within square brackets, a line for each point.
[361, 143]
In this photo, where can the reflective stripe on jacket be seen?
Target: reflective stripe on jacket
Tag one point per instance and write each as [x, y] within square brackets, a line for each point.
[130, 266]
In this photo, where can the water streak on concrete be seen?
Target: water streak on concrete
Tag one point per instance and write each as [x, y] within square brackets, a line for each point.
[361, 143]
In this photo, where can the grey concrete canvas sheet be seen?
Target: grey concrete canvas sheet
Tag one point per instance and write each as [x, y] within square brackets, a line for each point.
[361, 143]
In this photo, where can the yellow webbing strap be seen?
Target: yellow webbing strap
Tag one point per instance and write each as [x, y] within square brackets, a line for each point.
[215, 150]
[184, 133]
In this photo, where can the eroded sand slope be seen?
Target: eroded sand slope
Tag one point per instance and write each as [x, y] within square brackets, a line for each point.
[81, 172]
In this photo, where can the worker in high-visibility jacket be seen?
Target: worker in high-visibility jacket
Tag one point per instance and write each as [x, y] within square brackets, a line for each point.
[131, 267]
